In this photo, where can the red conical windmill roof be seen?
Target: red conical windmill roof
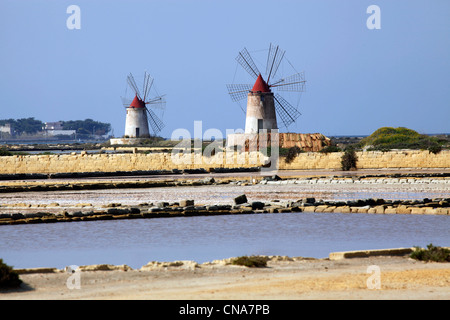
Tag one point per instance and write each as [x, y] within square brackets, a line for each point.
[260, 85]
[137, 103]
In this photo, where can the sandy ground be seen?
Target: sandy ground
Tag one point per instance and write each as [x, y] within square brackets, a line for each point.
[400, 278]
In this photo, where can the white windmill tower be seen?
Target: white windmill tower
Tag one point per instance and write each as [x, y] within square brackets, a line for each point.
[263, 106]
[139, 111]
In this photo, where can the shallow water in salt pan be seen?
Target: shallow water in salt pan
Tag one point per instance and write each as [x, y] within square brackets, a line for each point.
[202, 239]
[138, 241]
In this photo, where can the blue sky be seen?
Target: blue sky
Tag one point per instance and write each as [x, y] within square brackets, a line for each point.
[357, 79]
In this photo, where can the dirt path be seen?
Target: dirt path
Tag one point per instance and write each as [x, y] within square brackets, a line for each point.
[400, 278]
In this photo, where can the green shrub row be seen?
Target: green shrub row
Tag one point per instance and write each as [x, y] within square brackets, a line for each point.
[431, 253]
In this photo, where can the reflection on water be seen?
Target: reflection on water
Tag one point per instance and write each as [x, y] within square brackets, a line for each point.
[136, 242]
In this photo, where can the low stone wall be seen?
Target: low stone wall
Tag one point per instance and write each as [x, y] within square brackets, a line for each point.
[370, 160]
[187, 208]
[128, 162]
[370, 253]
[387, 179]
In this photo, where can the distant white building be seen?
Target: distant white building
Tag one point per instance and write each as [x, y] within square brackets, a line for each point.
[56, 128]
[53, 126]
[6, 128]
[60, 132]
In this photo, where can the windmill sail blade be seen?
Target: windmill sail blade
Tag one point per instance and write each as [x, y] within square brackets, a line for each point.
[157, 103]
[295, 82]
[285, 110]
[126, 102]
[238, 92]
[156, 124]
[273, 61]
[132, 84]
[246, 61]
[147, 84]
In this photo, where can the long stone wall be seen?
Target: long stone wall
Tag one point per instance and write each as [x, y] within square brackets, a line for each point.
[370, 160]
[85, 162]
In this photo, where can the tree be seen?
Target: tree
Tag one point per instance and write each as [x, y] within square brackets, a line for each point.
[24, 125]
[87, 126]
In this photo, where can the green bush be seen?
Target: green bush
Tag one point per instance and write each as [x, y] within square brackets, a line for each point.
[432, 253]
[379, 148]
[8, 277]
[387, 138]
[5, 152]
[435, 148]
[251, 262]
[349, 159]
[388, 135]
[282, 151]
[292, 153]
